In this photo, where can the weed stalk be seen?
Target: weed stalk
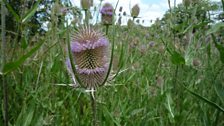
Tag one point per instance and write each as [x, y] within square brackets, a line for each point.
[5, 88]
[94, 109]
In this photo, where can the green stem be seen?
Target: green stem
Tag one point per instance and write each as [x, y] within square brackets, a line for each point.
[5, 88]
[86, 17]
[222, 5]
[94, 109]
[107, 29]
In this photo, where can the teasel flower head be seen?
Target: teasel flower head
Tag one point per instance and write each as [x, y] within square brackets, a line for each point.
[90, 51]
[86, 4]
[107, 14]
[186, 2]
[135, 11]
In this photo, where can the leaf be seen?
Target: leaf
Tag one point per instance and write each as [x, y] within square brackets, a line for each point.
[29, 116]
[220, 92]
[24, 43]
[9, 7]
[8, 67]
[215, 105]
[31, 12]
[137, 111]
[219, 47]
[209, 50]
[176, 58]
[215, 28]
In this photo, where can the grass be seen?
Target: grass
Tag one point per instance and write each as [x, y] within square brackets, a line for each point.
[154, 86]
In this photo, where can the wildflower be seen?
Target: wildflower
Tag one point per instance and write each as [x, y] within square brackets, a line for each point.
[160, 81]
[196, 62]
[90, 52]
[135, 11]
[143, 49]
[161, 49]
[107, 14]
[151, 44]
[86, 4]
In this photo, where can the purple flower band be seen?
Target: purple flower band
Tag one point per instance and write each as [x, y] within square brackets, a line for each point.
[86, 70]
[107, 11]
[78, 47]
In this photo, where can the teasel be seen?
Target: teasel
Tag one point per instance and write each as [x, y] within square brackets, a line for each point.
[86, 4]
[90, 53]
[135, 11]
[107, 14]
[89, 62]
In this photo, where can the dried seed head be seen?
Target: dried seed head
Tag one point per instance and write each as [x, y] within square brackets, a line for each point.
[119, 21]
[124, 13]
[135, 11]
[120, 9]
[90, 52]
[151, 44]
[86, 4]
[196, 62]
[130, 23]
[107, 14]
[186, 2]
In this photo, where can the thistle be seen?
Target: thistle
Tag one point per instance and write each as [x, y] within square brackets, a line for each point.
[90, 51]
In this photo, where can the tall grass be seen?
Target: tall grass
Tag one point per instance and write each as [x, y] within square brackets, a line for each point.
[177, 81]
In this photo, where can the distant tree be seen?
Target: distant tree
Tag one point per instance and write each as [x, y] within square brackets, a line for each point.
[38, 20]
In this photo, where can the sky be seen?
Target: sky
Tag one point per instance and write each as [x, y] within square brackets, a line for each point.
[150, 10]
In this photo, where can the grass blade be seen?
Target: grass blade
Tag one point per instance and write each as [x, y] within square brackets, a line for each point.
[219, 47]
[8, 67]
[9, 7]
[31, 12]
[213, 104]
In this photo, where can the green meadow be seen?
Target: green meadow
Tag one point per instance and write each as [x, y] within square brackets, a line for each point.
[170, 73]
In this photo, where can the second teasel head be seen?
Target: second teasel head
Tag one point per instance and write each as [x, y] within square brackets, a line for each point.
[107, 14]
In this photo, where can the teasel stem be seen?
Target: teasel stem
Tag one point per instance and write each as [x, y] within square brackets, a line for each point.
[94, 107]
[86, 17]
[223, 5]
[107, 29]
[5, 88]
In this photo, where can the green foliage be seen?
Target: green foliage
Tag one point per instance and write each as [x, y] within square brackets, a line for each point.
[178, 80]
